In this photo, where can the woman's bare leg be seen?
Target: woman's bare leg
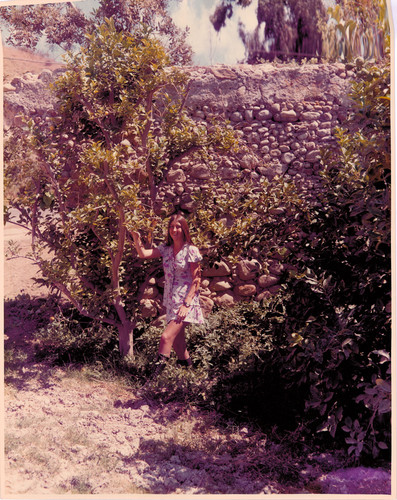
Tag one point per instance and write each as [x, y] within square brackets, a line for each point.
[172, 331]
[179, 345]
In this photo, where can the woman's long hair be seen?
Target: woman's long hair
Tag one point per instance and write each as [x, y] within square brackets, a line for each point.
[185, 229]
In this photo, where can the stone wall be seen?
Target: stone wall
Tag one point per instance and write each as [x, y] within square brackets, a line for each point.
[283, 114]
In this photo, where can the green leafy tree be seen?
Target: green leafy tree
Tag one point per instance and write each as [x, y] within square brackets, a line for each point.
[93, 169]
[286, 29]
[65, 24]
[339, 316]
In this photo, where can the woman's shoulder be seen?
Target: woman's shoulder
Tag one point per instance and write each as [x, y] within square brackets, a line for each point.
[163, 248]
[193, 252]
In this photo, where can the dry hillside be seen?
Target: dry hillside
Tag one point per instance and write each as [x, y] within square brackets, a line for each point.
[18, 61]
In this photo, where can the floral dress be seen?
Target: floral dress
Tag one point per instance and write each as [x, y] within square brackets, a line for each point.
[178, 279]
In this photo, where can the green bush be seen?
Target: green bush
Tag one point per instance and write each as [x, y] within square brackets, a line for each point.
[232, 371]
[339, 314]
[70, 338]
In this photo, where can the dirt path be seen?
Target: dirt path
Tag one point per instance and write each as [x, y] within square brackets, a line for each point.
[68, 435]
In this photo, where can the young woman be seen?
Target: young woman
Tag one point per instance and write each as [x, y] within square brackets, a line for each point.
[181, 263]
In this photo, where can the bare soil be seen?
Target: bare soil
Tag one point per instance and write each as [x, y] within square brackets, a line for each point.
[18, 61]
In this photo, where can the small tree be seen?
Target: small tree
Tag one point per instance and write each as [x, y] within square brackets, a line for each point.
[94, 168]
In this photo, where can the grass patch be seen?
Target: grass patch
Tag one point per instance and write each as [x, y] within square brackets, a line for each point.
[77, 485]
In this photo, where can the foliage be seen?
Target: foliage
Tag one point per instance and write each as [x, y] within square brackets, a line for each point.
[332, 343]
[65, 24]
[247, 219]
[301, 29]
[340, 316]
[285, 29]
[356, 29]
[119, 127]
[71, 338]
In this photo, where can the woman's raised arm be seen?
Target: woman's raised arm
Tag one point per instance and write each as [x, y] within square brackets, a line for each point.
[144, 253]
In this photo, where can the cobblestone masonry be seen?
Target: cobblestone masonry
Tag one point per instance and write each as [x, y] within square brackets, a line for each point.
[283, 113]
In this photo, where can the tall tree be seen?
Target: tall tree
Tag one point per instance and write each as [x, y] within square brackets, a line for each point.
[285, 29]
[65, 24]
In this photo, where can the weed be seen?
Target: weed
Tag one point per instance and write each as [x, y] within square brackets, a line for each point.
[77, 485]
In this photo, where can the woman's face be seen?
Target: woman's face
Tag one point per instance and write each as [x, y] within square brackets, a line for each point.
[176, 231]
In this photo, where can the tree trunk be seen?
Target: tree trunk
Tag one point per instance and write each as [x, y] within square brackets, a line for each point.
[126, 338]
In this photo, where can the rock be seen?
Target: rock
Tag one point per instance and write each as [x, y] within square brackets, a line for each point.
[150, 292]
[267, 281]
[288, 158]
[225, 299]
[248, 115]
[236, 117]
[313, 156]
[248, 161]
[187, 202]
[200, 172]
[248, 269]
[148, 308]
[220, 285]
[175, 176]
[207, 305]
[264, 114]
[276, 268]
[275, 107]
[310, 116]
[323, 132]
[263, 295]
[247, 290]
[287, 116]
[228, 173]
[218, 269]
[223, 73]
[17, 83]
[7, 87]
[356, 481]
[46, 76]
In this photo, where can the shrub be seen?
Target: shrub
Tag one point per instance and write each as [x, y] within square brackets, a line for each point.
[70, 338]
[339, 314]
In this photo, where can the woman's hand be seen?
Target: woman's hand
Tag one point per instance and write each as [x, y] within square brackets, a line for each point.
[135, 235]
[182, 313]
[150, 253]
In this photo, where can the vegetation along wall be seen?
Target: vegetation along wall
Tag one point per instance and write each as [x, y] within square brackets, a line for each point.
[284, 115]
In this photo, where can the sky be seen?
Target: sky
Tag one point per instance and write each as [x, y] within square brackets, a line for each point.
[224, 47]
[211, 47]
